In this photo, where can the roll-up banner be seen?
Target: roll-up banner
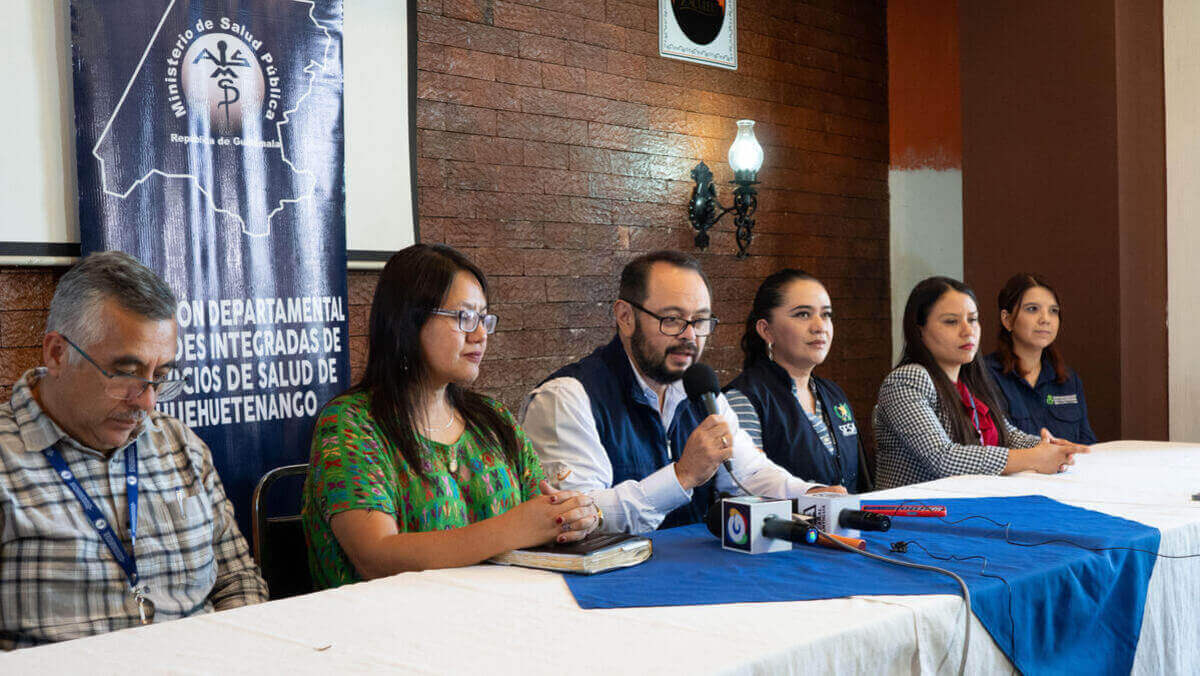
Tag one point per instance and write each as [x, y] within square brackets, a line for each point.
[210, 146]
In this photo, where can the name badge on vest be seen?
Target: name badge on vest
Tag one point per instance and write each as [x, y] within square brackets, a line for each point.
[1059, 400]
[847, 426]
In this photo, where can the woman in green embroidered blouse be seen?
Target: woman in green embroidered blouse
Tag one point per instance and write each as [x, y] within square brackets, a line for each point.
[410, 469]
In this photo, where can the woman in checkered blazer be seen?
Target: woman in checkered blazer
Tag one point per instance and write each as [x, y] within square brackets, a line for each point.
[939, 413]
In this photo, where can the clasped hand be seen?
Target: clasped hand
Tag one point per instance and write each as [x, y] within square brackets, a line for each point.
[1056, 455]
[554, 516]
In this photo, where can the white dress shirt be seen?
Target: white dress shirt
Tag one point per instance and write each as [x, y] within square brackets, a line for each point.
[557, 417]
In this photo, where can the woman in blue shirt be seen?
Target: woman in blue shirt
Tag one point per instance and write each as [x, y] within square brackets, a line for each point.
[803, 423]
[1041, 390]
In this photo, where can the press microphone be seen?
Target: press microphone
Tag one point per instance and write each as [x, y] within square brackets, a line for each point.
[773, 527]
[839, 514]
[757, 525]
[700, 384]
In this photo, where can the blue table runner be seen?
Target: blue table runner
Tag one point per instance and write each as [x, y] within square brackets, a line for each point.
[1072, 610]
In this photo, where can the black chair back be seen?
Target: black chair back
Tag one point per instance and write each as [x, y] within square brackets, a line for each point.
[278, 540]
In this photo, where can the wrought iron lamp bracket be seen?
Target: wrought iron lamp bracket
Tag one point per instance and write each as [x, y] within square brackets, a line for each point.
[703, 207]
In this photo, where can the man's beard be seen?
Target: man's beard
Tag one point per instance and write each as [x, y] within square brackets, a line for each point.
[654, 366]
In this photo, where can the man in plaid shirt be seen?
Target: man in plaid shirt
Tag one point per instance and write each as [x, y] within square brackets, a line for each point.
[108, 356]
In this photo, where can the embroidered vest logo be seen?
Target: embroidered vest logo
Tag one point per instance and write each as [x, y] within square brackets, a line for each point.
[842, 411]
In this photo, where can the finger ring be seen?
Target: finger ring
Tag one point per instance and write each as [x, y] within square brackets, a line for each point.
[724, 441]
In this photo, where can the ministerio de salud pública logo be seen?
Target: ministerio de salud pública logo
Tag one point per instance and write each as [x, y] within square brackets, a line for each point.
[218, 70]
[216, 93]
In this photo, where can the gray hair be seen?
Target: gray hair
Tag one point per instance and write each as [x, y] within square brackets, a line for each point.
[74, 310]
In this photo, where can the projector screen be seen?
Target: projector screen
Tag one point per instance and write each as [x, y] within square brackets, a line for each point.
[39, 220]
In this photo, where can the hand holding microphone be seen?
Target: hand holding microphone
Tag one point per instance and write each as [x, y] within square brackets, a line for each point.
[711, 443]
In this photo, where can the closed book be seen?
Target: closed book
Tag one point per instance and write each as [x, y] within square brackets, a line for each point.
[594, 554]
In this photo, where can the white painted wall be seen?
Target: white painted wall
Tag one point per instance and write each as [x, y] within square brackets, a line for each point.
[1181, 74]
[37, 165]
[379, 213]
[38, 200]
[926, 234]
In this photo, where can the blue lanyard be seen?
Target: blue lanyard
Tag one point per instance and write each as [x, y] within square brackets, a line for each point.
[975, 414]
[126, 559]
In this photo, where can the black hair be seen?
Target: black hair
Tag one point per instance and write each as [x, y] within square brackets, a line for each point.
[636, 273]
[768, 297]
[413, 284]
[973, 374]
[1009, 299]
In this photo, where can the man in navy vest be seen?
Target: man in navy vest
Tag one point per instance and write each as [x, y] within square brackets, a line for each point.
[618, 426]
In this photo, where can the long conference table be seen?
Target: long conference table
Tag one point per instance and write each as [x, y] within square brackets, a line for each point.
[495, 619]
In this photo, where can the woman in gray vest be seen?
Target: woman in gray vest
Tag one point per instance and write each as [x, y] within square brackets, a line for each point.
[802, 422]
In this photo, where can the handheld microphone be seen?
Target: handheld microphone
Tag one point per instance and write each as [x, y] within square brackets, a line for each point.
[700, 383]
[757, 525]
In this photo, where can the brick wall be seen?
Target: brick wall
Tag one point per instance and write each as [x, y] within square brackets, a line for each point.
[555, 145]
[25, 295]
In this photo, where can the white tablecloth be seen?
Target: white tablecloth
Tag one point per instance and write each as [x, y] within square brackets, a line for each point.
[492, 619]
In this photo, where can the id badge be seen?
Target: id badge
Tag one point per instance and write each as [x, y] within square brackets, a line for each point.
[144, 605]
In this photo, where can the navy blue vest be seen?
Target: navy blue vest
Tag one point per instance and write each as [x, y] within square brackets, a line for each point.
[630, 427]
[1059, 407]
[788, 436]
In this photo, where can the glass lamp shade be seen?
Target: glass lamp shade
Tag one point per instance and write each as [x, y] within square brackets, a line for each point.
[745, 155]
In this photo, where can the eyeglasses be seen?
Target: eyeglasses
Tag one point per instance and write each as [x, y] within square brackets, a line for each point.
[469, 320]
[674, 326]
[127, 388]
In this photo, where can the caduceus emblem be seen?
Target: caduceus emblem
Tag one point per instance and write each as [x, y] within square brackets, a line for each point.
[230, 92]
[224, 74]
[221, 75]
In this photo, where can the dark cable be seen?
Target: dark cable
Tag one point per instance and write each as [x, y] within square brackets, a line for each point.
[966, 593]
[901, 546]
[1008, 539]
[729, 471]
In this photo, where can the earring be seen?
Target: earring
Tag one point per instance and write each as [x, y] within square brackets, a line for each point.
[771, 351]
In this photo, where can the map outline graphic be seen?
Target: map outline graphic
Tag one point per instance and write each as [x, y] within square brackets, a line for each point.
[285, 119]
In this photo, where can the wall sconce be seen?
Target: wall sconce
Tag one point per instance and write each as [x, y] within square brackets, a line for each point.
[745, 157]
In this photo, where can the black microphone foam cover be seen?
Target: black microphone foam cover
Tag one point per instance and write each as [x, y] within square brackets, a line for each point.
[714, 518]
[856, 518]
[700, 379]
